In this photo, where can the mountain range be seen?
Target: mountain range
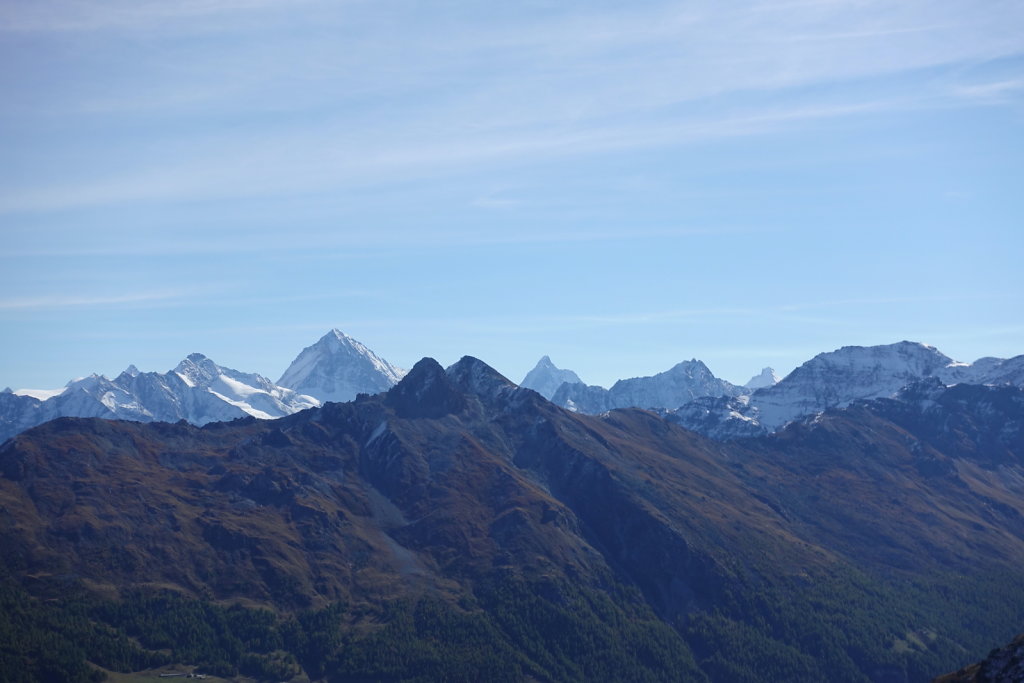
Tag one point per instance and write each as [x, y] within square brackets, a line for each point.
[338, 368]
[690, 395]
[461, 527]
[834, 380]
[335, 368]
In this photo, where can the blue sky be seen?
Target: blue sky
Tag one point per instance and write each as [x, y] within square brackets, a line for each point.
[618, 185]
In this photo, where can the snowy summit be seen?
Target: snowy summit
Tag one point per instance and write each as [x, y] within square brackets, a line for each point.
[545, 378]
[337, 367]
[766, 378]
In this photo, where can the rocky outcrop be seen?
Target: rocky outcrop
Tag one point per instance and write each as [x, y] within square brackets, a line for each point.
[1003, 665]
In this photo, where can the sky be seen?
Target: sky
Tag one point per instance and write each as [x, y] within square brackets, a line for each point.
[620, 186]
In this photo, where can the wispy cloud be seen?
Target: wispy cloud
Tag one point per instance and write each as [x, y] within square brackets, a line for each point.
[997, 90]
[69, 301]
[97, 15]
[353, 245]
[350, 97]
[774, 311]
[318, 161]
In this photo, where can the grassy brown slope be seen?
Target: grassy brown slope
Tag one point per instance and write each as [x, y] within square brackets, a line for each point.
[878, 494]
[223, 512]
[459, 485]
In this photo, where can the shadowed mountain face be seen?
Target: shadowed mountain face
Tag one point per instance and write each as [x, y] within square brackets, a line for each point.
[816, 550]
[1003, 665]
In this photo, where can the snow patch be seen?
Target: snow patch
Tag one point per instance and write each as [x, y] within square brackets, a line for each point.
[377, 432]
[243, 406]
[41, 394]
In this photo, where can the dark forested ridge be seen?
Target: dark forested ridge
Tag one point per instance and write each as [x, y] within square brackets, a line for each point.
[461, 528]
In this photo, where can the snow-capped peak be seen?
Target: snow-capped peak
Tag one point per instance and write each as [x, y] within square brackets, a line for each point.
[545, 378]
[198, 370]
[766, 378]
[836, 378]
[337, 367]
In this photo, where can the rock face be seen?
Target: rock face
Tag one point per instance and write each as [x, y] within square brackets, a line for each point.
[988, 371]
[743, 558]
[18, 413]
[545, 378]
[835, 379]
[723, 418]
[337, 368]
[1003, 665]
[670, 389]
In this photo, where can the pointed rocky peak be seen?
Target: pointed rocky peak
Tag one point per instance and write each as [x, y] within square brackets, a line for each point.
[426, 391]
[766, 378]
[7, 390]
[337, 341]
[337, 338]
[426, 370]
[546, 365]
[128, 374]
[690, 368]
[337, 368]
[474, 376]
[546, 378]
[197, 370]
